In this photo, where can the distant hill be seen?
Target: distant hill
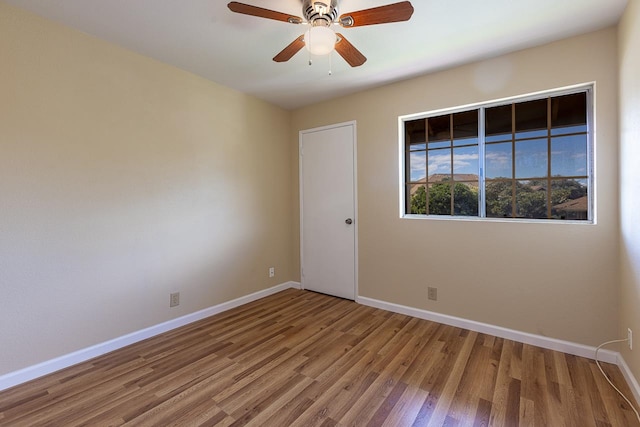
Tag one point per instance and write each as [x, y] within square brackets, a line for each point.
[466, 178]
[469, 178]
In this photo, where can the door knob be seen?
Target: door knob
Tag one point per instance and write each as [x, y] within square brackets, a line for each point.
[349, 221]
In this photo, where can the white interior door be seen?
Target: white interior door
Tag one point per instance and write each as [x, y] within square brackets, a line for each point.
[328, 210]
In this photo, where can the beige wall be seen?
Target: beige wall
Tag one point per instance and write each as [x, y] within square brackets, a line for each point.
[124, 179]
[121, 180]
[557, 280]
[629, 64]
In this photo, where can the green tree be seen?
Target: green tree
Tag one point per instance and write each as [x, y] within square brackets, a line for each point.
[566, 189]
[531, 198]
[419, 201]
[440, 199]
[465, 199]
[530, 203]
[498, 195]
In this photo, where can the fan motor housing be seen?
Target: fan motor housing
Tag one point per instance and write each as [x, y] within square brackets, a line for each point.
[321, 13]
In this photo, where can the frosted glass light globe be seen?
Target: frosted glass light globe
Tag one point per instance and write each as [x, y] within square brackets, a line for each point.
[320, 40]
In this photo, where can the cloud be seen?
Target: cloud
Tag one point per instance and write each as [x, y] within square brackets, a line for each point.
[418, 163]
[441, 163]
[499, 157]
[462, 161]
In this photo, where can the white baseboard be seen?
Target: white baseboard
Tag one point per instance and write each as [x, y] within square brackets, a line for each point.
[589, 352]
[31, 372]
[629, 377]
[498, 331]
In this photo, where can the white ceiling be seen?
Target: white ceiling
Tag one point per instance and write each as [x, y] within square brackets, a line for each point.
[205, 38]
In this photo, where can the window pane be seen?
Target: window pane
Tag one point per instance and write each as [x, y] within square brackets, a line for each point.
[465, 199]
[531, 134]
[498, 123]
[440, 144]
[498, 160]
[465, 163]
[531, 199]
[466, 141]
[569, 129]
[535, 166]
[531, 158]
[415, 131]
[569, 113]
[569, 156]
[498, 138]
[440, 198]
[417, 199]
[439, 163]
[531, 118]
[499, 199]
[418, 168]
[569, 199]
[439, 128]
[465, 124]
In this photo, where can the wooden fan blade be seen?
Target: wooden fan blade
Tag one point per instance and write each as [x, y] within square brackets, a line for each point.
[349, 52]
[247, 9]
[288, 52]
[395, 12]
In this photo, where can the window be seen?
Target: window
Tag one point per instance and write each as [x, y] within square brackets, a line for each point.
[528, 158]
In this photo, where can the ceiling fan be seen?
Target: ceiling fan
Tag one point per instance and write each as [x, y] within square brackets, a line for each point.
[320, 39]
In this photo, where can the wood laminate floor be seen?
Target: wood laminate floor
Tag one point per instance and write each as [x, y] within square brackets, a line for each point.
[299, 358]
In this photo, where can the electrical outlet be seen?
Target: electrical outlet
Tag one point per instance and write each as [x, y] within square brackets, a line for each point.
[174, 299]
[630, 338]
[432, 293]
[272, 271]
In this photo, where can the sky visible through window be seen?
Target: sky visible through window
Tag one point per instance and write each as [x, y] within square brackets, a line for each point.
[568, 158]
[529, 158]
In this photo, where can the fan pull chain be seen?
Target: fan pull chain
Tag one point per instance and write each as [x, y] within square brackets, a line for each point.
[331, 53]
[309, 51]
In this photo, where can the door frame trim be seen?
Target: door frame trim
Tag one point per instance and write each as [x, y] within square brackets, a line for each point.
[353, 124]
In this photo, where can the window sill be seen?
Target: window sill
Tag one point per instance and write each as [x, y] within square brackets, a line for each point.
[496, 220]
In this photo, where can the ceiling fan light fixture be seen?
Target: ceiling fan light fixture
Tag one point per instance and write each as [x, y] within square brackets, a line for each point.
[320, 40]
[321, 15]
